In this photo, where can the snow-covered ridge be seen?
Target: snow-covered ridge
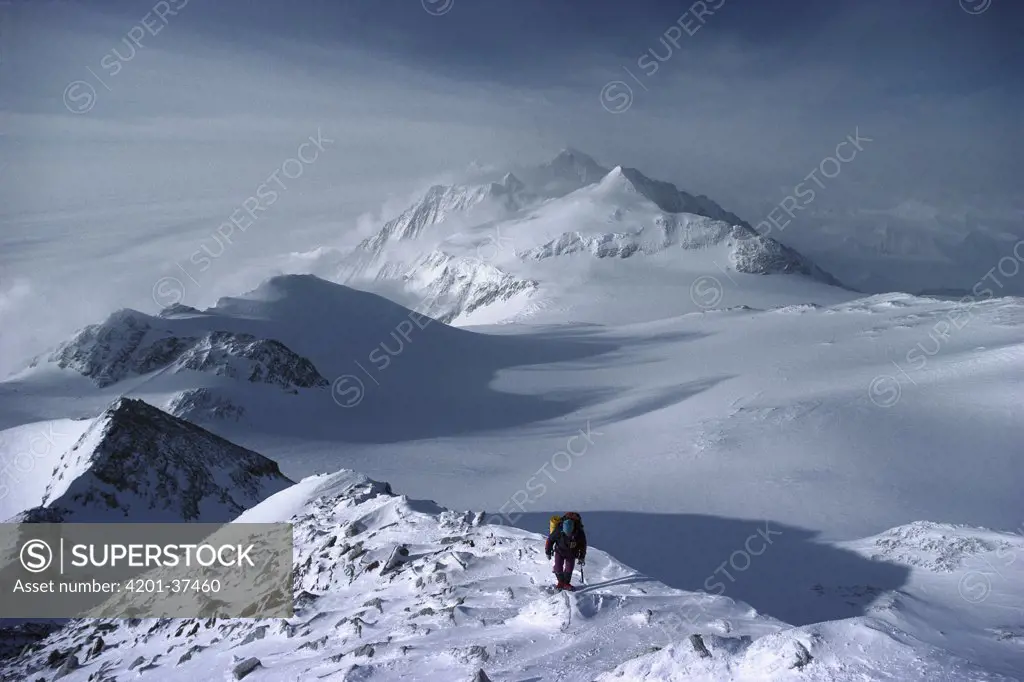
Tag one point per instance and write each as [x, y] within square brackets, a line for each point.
[853, 649]
[388, 588]
[607, 245]
[441, 202]
[759, 255]
[137, 463]
[686, 221]
[438, 204]
[130, 343]
[749, 252]
[454, 285]
[670, 198]
[204, 405]
[397, 589]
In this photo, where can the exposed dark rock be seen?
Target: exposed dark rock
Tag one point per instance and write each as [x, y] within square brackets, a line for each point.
[245, 667]
[130, 343]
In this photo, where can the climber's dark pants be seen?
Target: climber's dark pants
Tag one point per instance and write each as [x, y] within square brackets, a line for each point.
[564, 564]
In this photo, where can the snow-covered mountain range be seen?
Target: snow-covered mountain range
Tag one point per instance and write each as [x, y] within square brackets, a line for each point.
[781, 477]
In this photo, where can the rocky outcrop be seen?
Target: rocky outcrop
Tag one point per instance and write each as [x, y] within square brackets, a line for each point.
[130, 343]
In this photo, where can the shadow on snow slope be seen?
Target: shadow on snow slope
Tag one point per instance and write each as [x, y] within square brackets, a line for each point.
[442, 387]
[734, 558]
[397, 376]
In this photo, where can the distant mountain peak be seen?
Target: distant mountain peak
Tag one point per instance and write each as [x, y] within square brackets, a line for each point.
[572, 164]
[573, 154]
[566, 182]
[512, 183]
[280, 287]
[668, 197]
[179, 309]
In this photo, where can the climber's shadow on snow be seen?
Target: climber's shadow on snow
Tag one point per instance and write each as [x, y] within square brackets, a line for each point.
[778, 569]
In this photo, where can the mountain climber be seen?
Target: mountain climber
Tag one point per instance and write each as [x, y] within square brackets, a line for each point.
[567, 542]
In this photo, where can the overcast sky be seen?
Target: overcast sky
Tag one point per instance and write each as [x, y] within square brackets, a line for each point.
[746, 105]
[156, 140]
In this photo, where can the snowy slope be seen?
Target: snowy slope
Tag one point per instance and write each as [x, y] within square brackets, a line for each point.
[28, 455]
[441, 202]
[450, 204]
[454, 286]
[137, 463]
[963, 595]
[843, 420]
[389, 588]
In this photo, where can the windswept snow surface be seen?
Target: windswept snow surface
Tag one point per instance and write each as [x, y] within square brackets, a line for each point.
[390, 588]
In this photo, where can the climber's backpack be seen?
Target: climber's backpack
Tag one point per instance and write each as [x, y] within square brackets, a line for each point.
[556, 520]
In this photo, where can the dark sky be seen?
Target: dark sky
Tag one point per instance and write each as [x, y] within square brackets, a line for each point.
[913, 45]
[742, 109]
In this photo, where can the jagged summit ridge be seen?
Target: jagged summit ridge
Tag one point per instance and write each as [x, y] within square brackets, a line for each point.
[572, 164]
[670, 198]
[139, 463]
[510, 183]
[650, 217]
[441, 202]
